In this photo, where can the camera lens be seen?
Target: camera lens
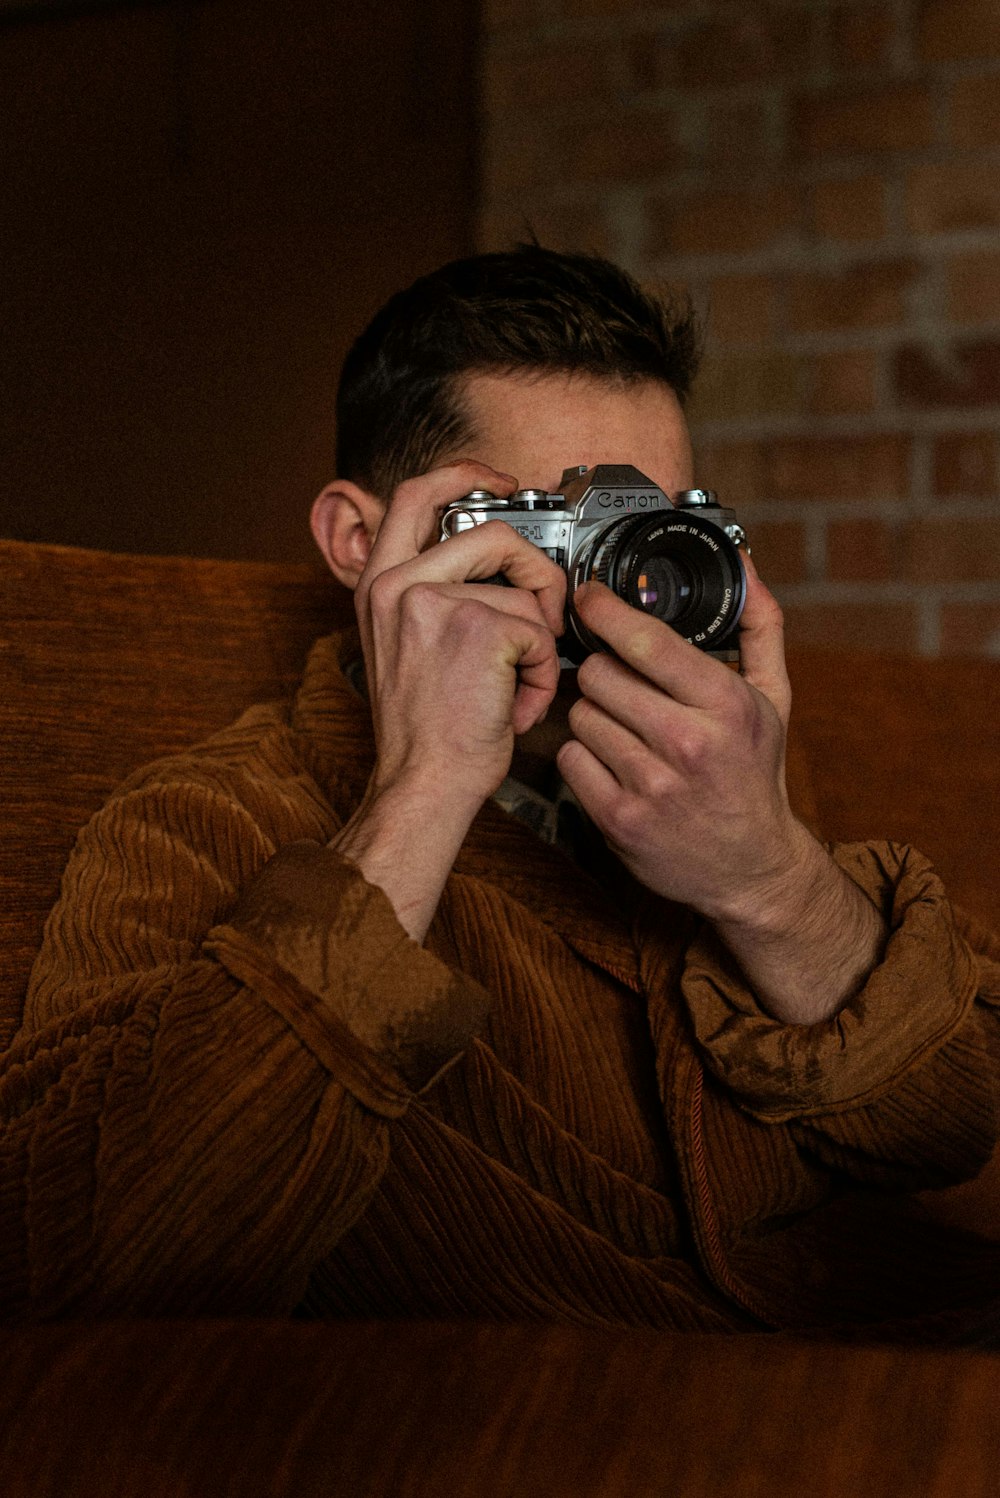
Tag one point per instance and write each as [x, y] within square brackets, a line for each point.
[665, 588]
[677, 566]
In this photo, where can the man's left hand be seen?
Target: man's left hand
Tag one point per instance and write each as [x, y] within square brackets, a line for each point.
[680, 762]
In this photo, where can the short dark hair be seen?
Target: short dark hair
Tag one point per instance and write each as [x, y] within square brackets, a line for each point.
[398, 407]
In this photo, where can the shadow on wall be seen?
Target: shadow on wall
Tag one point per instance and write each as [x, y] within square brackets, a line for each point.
[205, 201]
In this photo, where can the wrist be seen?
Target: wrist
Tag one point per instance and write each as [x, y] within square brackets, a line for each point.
[431, 797]
[404, 838]
[774, 898]
[808, 942]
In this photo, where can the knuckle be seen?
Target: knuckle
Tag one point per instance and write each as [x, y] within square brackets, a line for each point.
[593, 670]
[690, 747]
[732, 704]
[579, 715]
[468, 619]
[623, 819]
[771, 611]
[654, 780]
[418, 597]
[420, 608]
[409, 492]
[382, 592]
[499, 532]
[743, 711]
[469, 612]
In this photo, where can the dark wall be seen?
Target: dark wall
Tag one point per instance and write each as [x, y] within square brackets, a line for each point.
[202, 203]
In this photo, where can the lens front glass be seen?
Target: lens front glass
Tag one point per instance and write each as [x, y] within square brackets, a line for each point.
[665, 587]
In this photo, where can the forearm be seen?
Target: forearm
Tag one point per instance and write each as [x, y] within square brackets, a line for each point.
[126, 1134]
[405, 839]
[125, 1100]
[807, 942]
[899, 1090]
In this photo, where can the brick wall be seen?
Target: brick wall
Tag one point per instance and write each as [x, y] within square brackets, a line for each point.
[826, 178]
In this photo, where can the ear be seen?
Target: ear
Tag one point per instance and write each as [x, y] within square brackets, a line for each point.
[345, 520]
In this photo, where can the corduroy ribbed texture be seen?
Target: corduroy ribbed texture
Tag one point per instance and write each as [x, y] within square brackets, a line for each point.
[211, 1104]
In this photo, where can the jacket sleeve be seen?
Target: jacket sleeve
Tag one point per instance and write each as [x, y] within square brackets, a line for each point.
[219, 1030]
[900, 1088]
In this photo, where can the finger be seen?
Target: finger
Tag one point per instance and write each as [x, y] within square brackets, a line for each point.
[412, 516]
[537, 681]
[762, 643]
[652, 648]
[646, 711]
[590, 780]
[536, 660]
[516, 602]
[520, 649]
[513, 602]
[625, 753]
[501, 629]
[496, 547]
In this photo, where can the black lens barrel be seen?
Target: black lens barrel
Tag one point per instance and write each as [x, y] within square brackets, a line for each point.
[678, 566]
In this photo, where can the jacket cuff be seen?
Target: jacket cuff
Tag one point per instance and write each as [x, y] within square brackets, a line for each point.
[325, 947]
[912, 1002]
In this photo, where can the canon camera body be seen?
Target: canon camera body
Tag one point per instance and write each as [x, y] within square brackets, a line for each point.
[677, 557]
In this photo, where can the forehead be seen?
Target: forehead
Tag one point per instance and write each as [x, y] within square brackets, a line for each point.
[535, 425]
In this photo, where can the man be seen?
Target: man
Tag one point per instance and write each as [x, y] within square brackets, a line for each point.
[318, 1025]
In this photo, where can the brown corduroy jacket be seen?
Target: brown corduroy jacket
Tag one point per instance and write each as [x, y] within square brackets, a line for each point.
[239, 1088]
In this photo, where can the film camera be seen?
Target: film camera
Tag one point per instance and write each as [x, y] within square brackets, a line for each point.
[677, 558]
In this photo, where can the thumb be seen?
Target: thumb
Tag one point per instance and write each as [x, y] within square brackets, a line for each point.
[762, 643]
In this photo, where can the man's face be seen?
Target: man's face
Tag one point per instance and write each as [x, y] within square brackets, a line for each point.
[534, 426]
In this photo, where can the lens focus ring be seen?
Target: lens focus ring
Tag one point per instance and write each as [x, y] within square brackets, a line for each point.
[677, 566]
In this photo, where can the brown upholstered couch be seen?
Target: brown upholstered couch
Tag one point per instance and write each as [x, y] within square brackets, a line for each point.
[106, 661]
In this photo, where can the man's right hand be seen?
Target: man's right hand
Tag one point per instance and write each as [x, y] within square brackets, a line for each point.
[454, 672]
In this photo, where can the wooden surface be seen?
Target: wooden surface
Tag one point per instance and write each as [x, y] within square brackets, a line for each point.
[169, 1410]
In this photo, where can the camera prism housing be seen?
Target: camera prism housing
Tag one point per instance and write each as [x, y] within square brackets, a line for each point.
[676, 558]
